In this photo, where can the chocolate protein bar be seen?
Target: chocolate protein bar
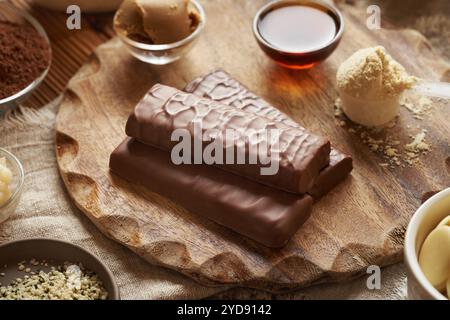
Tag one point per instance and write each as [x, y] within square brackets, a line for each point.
[221, 87]
[296, 156]
[264, 214]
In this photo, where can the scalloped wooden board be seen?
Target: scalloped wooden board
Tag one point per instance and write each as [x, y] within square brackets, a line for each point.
[360, 223]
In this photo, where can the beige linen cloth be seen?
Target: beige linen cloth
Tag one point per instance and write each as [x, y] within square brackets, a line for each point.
[45, 210]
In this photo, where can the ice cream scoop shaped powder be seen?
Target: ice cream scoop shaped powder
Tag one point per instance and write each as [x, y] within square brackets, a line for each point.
[372, 73]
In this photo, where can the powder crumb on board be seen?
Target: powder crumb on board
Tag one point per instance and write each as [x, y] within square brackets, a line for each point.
[417, 146]
[385, 141]
[418, 106]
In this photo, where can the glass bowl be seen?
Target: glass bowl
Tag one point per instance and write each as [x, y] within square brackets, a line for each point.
[16, 186]
[161, 54]
[10, 13]
[298, 59]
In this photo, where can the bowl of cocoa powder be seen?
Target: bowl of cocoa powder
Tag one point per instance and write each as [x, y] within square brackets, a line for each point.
[25, 55]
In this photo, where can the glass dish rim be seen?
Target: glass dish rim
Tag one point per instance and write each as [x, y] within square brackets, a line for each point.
[30, 19]
[12, 158]
[272, 4]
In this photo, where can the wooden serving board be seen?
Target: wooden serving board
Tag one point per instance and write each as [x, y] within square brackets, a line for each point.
[360, 223]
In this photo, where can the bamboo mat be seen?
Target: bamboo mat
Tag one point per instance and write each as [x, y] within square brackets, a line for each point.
[70, 48]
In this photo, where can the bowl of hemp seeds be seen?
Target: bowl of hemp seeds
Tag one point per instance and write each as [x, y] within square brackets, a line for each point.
[47, 269]
[25, 55]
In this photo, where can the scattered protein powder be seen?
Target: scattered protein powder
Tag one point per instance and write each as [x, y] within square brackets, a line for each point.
[67, 282]
[24, 56]
[385, 142]
[419, 106]
[417, 146]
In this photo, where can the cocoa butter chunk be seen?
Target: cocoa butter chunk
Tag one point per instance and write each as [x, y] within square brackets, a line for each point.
[265, 151]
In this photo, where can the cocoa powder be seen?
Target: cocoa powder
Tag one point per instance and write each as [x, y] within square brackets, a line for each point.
[24, 56]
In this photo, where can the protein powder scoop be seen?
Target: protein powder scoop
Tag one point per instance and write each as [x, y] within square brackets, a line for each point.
[370, 83]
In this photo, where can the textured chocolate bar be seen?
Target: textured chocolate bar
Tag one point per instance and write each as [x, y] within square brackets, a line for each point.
[261, 213]
[164, 109]
[221, 87]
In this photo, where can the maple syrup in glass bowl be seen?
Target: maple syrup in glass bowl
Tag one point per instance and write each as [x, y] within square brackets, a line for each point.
[298, 34]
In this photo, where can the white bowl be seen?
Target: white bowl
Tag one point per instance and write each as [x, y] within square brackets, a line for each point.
[370, 113]
[426, 218]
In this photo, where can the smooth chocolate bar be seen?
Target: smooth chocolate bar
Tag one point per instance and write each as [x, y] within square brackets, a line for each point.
[221, 87]
[298, 155]
[339, 168]
[264, 214]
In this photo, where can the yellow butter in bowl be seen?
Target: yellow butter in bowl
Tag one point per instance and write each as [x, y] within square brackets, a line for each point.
[5, 181]
[434, 257]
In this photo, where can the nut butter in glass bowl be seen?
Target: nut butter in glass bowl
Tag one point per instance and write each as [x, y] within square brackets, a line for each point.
[163, 53]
